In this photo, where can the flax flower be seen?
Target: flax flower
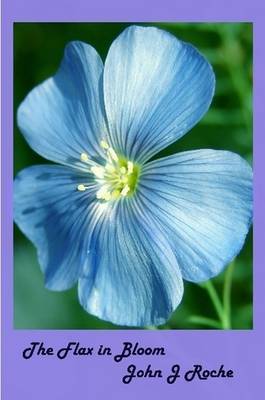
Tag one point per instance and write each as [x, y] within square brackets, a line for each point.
[126, 229]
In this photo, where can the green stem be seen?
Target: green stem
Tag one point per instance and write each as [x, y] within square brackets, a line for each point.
[200, 320]
[215, 299]
[223, 310]
[227, 296]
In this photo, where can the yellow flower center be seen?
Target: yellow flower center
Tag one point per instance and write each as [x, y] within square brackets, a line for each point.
[117, 179]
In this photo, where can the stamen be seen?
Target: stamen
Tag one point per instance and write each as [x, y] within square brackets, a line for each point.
[103, 193]
[110, 168]
[112, 154]
[104, 144]
[98, 171]
[115, 179]
[84, 157]
[125, 190]
[130, 167]
[82, 188]
[107, 196]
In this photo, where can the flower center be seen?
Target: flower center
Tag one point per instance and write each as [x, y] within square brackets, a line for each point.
[117, 179]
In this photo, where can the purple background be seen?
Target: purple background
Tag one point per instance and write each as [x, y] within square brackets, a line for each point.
[100, 378]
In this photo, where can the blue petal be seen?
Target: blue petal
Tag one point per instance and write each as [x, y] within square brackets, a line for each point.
[132, 277]
[203, 201]
[156, 88]
[54, 215]
[63, 117]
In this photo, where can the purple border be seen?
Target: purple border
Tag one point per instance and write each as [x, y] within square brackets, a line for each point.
[243, 351]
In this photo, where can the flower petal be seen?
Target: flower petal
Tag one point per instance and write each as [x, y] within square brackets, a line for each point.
[203, 201]
[132, 277]
[53, 214]
[156, 88]
[63, 117]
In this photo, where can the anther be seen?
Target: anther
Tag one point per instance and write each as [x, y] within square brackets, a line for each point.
[103, 193]
[110, 168]
[125, 190]
[130, 167]
[84, 157]
[81, 188]
[98, 171]
[104, 144]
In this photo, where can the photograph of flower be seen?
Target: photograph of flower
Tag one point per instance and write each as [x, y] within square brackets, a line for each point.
[132, 176]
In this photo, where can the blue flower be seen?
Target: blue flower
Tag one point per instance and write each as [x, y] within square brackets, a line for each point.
[128, 229]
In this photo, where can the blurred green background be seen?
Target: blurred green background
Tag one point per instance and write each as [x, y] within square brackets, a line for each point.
[38, 49]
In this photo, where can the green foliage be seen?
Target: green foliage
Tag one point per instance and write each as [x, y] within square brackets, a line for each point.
[228, 125]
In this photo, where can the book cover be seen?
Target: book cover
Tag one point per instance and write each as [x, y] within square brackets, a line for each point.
[129, 135]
